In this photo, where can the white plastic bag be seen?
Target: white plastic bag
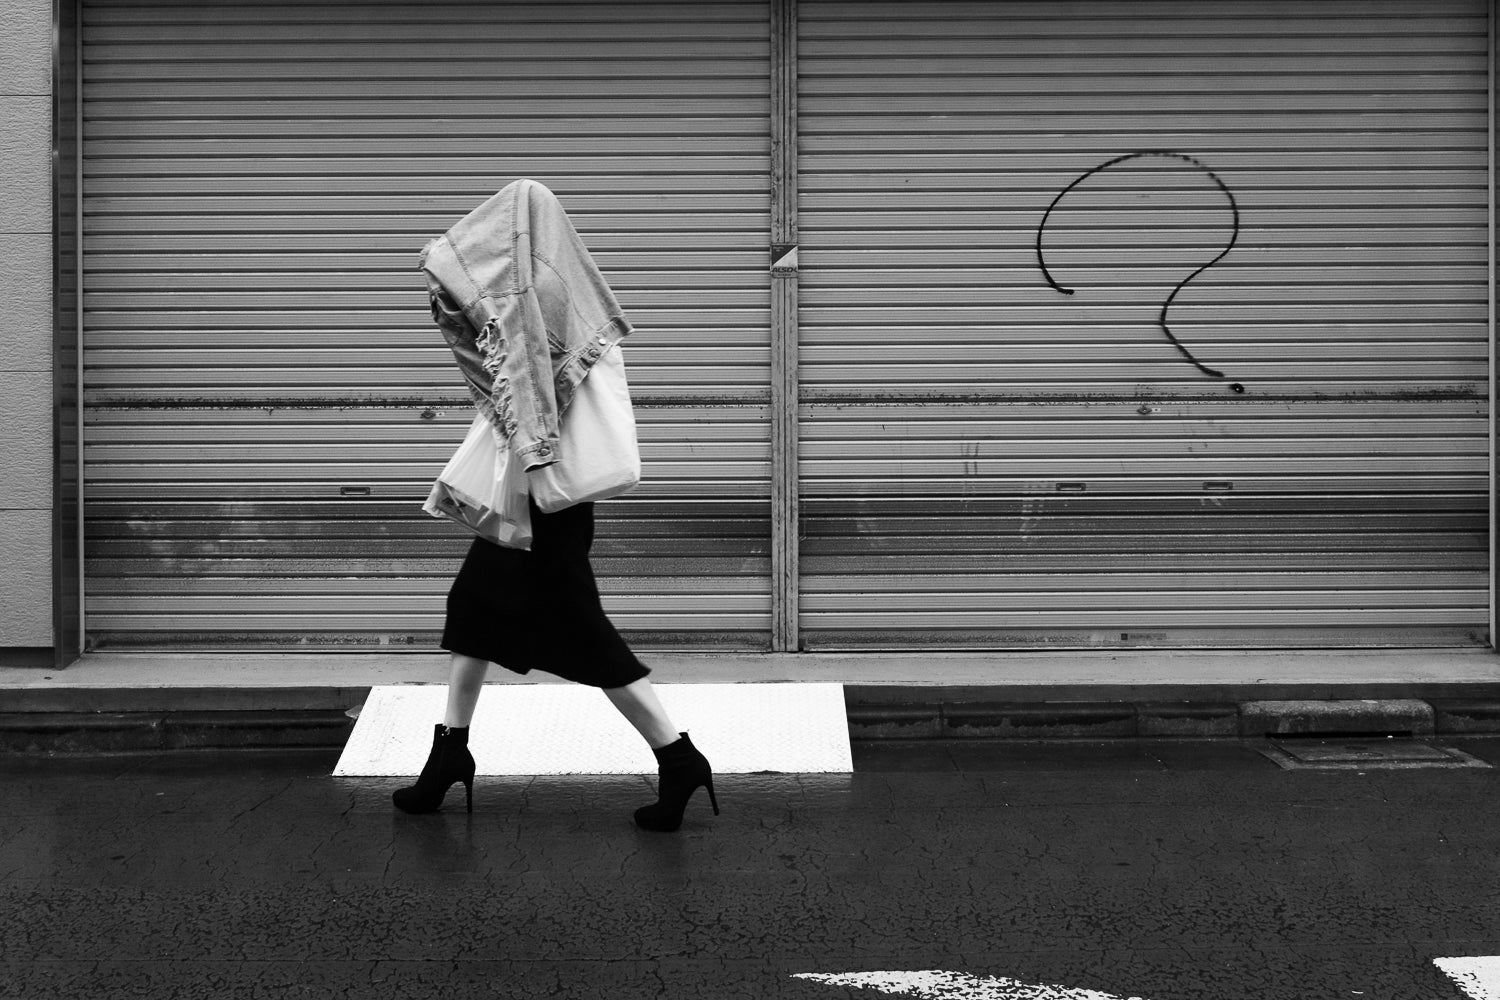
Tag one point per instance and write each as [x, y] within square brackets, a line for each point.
[483, 488]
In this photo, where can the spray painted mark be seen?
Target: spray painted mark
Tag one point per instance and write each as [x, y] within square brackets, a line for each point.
[1479, 976]
[1161, 319]
[936, 984]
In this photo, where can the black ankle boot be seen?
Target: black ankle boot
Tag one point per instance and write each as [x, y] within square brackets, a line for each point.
[449, 761]
[681, 770]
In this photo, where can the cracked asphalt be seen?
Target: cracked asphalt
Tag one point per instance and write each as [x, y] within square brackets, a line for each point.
[1163, 870]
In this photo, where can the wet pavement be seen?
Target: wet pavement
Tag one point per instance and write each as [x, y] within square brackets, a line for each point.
[1162, 870]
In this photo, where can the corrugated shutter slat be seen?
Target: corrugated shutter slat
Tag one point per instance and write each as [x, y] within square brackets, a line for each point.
[987, 462]
[268, 399]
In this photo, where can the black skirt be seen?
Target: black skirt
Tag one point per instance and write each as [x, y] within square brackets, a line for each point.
[539, 609]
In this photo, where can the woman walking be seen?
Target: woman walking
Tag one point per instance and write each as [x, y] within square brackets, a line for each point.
[518, 297]
[540, 610]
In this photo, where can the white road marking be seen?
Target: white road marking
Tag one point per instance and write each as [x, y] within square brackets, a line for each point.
[936, 984]
[1478, 976]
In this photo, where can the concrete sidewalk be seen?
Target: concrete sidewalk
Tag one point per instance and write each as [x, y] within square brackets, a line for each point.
[156, 700]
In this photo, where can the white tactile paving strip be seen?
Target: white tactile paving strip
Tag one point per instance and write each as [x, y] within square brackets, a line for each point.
[571, 729]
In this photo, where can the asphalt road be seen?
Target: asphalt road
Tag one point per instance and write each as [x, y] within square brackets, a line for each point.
[1167, 870]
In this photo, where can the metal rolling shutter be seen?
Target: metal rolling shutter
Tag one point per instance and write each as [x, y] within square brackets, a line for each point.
[267, 398]
[989, 463]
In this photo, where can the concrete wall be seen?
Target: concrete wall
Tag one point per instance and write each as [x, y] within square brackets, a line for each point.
[25, 324]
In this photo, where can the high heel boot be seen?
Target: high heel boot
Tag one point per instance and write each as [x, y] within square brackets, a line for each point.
[450, 761]
[681, 769]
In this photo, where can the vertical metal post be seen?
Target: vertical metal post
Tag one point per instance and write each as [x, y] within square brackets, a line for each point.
[1494, 83]
[83, 630]
[784, 513]
[67, 337]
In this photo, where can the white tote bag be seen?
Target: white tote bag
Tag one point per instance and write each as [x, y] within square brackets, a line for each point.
[483, 488]
[599, 456]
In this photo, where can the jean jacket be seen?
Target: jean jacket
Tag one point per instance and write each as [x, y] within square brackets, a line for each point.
[525, 310]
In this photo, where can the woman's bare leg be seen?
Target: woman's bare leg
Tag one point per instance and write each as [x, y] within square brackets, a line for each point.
[465, 681]
[638, 703]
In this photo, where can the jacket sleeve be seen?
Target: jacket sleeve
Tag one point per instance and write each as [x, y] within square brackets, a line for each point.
[462, 342]
[514, 347]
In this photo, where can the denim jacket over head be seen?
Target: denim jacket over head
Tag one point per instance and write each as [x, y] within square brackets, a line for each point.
[525, 310]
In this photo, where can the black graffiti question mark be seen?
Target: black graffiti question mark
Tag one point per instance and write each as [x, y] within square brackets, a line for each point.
[1161, 320]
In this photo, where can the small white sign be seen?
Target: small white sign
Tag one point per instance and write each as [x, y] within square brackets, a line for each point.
[785, 261]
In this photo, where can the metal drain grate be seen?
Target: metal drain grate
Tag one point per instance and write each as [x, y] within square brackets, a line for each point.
[1376, 753]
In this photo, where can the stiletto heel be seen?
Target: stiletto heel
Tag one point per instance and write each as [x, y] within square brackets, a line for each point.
[682, 770]
[449, 763]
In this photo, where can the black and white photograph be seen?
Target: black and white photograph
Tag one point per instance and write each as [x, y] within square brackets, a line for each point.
[749, 500]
